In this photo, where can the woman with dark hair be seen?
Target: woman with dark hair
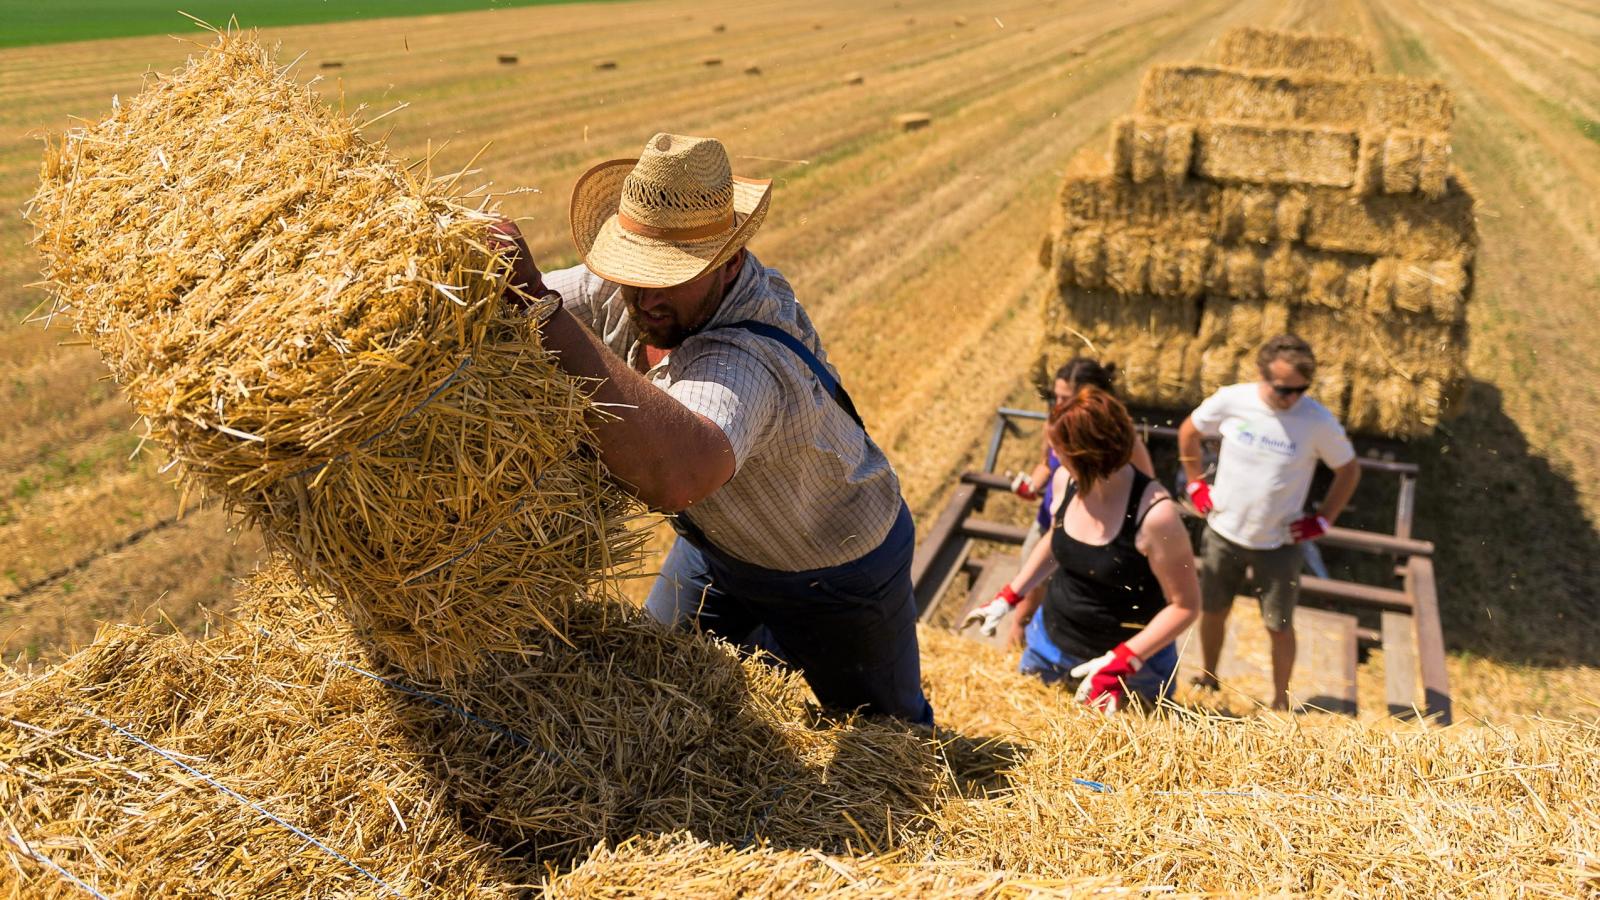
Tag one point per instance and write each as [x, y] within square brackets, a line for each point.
[1037, 485]
[1125, 584]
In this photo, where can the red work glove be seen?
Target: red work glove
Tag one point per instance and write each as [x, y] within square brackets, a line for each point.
[987, 617]
[1200, 495]
[1023, 487]
[525, 284]
[1102, 684]
[1308, 529]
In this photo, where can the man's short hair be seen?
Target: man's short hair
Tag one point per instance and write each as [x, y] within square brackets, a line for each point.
[1290, 348]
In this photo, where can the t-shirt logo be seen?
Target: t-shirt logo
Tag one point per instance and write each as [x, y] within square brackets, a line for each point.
[1255, 436]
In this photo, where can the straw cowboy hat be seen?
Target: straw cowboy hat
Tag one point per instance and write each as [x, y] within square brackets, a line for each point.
[668, 217]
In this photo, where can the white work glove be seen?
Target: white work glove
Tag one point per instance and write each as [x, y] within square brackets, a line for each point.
[987, 617]
[1102, 685]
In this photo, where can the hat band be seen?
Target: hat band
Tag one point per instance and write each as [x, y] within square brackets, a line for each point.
[634, 226]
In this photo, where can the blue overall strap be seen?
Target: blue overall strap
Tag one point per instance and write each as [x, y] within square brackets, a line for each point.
[831, 384]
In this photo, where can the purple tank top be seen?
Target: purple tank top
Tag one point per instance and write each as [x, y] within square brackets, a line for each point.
[1049, 488]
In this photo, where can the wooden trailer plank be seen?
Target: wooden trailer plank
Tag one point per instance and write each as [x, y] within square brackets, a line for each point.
[1399, 665]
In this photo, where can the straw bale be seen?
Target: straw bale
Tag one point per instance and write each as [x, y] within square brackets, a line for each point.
[1276, 154]
[674, 866]
[1270, 806]
[1406, 225]
[1127, 262]
[1178, 268]
[1402, 161]
[507, 59]
[699, 773]
[1149, 149]
[314, 332]
[1200, 92]
[1434, 287]
[605, 64]
[1326, 54]
[1099, 199]
[913, 121]
[711, 62]
[1087, 258]
[1369, 163]
[1177, 152]
[854, 78]
[465, 789]
[1434, 178]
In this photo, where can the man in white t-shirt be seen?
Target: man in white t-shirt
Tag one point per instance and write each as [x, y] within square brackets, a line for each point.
[1273, 436]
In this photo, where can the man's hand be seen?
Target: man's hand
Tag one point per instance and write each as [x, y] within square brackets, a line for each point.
[1308, 529]
[525, 284]
[1102, 686]
[1023, 486]
[987, 617]
[1200, 495]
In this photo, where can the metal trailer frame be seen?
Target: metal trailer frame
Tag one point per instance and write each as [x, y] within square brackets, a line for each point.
[1411, 635]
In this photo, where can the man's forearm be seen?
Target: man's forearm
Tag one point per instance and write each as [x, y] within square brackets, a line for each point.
[1191, 451]
[667, 454]
[1340, 492]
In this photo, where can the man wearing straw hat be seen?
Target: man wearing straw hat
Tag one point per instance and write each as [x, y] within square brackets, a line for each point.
[793, 536]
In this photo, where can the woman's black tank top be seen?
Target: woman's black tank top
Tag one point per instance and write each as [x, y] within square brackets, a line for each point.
[1102, 595]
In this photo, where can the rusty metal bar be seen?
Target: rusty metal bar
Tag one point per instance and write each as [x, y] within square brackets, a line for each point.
[940, 553]
[1332, 589]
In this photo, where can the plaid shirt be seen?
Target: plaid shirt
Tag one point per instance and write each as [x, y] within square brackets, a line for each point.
[810, 489]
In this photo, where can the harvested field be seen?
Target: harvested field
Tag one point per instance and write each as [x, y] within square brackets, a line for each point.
[935, 231]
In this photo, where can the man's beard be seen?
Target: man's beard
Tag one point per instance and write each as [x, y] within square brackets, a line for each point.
[662, 335]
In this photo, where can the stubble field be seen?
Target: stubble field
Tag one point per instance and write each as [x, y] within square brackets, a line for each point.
[915, 253]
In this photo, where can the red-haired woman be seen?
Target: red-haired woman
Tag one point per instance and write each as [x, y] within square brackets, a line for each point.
[1125, 584]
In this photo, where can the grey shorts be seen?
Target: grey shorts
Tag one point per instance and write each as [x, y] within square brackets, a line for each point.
[1273, 575]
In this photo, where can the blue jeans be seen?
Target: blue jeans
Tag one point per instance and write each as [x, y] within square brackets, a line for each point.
[1156, 679]
[851, 629]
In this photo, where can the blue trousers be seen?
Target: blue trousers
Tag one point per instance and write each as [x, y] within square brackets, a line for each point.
[851, 629]
[1155, 679]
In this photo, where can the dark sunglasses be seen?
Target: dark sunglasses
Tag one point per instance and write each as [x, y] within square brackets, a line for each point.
[1286, 391]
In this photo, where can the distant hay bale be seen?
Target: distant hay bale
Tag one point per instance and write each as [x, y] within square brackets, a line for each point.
[507, 59]
[913, 121]
[711, 61]
[719, 28]
[854, 78]
[315, 333]
[1259, 48]
[331, 64]
[961, 21]
[1198, 92]
[752, 69]
[605, 64]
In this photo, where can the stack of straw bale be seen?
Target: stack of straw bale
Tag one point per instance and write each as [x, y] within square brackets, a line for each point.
[315, 333]
[661, 764]
[458, 788]
[1288, 189]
